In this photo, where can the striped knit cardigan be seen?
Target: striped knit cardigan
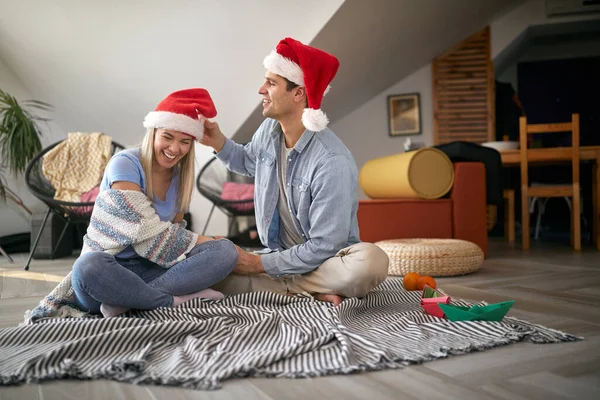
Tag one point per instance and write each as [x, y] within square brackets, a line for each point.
[120, 218]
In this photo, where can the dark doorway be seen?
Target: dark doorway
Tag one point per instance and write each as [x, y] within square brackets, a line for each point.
[551, 90]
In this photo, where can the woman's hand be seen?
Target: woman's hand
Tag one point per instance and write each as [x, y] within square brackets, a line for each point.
[178, 218]
[202, 239]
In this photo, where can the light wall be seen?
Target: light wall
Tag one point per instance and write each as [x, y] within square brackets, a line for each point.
[105, 64]
[14, 218]
[365, 130]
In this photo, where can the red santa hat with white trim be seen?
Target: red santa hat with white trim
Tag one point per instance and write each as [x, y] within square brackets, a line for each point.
[183, 111]
[309, 67]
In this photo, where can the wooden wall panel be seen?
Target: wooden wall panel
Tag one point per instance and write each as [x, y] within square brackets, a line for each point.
[463, 92]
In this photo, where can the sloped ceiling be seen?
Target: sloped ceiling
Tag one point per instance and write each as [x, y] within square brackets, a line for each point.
[572, 31]
[381, 42]
[105, 64]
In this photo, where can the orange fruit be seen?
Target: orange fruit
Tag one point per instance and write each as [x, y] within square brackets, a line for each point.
[426, 280]
[410, 281]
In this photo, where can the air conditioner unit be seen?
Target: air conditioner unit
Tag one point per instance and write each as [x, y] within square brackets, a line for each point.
[565, 7]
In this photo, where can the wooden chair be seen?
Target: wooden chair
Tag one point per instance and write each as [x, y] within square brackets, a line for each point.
[509, 214]
[558, 190]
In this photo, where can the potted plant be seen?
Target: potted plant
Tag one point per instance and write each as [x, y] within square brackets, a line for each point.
[19, 140]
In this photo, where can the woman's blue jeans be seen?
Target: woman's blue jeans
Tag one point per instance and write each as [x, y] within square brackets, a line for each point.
[137, 283]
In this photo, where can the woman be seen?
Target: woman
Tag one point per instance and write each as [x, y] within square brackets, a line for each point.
[136, 253]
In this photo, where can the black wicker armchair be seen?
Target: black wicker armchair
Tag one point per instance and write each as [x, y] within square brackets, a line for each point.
[211, 181]
[72, 213]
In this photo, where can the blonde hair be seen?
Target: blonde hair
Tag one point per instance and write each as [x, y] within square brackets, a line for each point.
[184, 169]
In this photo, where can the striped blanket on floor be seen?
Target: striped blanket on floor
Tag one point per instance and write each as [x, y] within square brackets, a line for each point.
[202, 343]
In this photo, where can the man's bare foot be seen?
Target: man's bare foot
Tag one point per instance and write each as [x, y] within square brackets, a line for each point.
[329, 298]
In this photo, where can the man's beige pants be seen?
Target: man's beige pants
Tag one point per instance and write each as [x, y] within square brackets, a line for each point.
[352, 272]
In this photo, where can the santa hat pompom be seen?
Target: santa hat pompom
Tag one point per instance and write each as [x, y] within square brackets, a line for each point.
[314, 120]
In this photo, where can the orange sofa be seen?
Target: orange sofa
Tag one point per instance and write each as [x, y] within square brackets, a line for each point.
[460, 215]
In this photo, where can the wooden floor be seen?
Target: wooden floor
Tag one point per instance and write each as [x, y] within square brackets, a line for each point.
[551, 285]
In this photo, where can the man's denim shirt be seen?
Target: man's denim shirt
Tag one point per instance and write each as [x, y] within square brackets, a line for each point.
[321, 190]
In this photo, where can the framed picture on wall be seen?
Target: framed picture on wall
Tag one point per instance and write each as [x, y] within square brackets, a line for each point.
[404, 114]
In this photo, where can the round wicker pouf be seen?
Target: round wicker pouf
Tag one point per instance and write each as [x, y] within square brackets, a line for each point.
[434, 257]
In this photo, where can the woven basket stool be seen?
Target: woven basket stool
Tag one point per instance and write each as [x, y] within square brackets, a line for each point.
[434, 257]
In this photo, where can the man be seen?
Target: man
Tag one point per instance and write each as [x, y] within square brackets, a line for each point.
[305, 182]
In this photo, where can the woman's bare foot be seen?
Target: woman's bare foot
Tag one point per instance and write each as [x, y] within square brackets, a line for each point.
[109, 311]
[209, 294]
[329, 298]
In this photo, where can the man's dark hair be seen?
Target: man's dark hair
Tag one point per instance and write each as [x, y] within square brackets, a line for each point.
[289, 85]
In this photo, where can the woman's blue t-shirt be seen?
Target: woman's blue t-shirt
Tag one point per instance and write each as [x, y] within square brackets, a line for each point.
[126, 166]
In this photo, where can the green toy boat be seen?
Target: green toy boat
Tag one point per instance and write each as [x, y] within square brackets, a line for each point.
[490, 312]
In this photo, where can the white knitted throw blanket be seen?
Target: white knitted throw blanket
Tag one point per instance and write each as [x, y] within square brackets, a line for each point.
[120, 218]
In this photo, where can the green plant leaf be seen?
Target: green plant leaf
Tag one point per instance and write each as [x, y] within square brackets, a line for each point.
[19, 133]
[38, 104]
[2, 186]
